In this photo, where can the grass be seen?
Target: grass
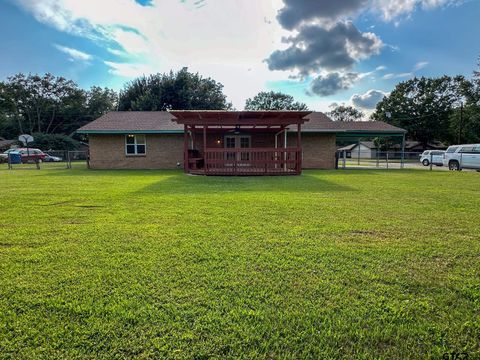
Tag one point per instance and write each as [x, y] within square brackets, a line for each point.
[354, 264]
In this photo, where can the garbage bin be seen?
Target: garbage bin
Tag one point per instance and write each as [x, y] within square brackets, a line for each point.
[15, 157]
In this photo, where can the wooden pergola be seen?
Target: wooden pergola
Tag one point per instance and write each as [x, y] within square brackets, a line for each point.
[241, 142]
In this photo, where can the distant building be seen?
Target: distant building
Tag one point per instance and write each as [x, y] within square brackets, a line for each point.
[368, 149]
[6, 144]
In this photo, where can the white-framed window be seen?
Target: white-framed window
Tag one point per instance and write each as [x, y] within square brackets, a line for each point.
[135, 145]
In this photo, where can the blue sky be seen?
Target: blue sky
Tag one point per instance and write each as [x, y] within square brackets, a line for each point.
[319, 51]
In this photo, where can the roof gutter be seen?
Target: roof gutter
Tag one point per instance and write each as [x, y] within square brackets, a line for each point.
[125, 132]
[329, 131]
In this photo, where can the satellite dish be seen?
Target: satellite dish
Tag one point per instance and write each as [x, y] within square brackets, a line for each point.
[25, 139]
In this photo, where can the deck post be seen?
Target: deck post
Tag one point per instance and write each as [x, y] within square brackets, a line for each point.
[185, 149]
[205, 160]
[299, 148]
[285, 158]
[403, 152]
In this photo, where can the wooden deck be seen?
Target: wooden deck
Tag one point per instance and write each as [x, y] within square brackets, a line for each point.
[248, 162]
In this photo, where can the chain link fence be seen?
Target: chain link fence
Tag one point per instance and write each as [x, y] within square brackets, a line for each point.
[374, 159]
[54, 159]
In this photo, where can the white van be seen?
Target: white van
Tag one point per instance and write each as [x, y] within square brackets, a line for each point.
[458, 157]
[434, 156]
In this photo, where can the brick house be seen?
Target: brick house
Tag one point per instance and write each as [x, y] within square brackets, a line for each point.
[222, 142]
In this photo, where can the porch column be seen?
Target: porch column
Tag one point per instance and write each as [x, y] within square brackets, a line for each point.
[285, 155]
[205, 160]
[185, 148]
[403, 152]
[299, 148]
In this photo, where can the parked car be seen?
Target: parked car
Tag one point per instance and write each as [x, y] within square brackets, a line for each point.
[51, 158]
[458, 157]
[28, 155]
[435, 156]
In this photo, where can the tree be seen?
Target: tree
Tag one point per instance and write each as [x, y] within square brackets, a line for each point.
[100, 101]
[54, 142]
[180, 91]
[49, 105]
[346, 113]
[274, 101]
[422, 106]
[465, 114]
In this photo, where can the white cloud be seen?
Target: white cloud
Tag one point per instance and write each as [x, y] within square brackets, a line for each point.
[368, 100]
[420, 65]
[390, 10]
[74, 53]
[221, 39]
[128, 70]
[116, 52]
[397, 76]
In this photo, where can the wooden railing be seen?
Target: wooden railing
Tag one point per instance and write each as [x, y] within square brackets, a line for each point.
[253, 161]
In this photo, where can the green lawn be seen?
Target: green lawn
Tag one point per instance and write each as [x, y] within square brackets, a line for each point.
[355, 264]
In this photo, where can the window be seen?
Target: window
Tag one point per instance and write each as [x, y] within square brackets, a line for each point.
[452, 149]
[467, 149]
[477, 149]
[135, 145]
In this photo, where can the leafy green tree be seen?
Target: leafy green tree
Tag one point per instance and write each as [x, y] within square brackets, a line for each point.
[180, 90]
[465, 116]
[48, 104]
[466, 120]
[54, 142]
[346, 113]
[38, 101]
[422, 106]
[273, 101]
[100, 101]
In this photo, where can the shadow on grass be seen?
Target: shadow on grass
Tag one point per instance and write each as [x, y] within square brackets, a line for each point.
[141, 173]
[185, 184]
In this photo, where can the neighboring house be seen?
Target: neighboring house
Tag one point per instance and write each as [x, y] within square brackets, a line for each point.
[222, 142]
[6, 144]
[368, 149]
[416, 146]
[362, 149]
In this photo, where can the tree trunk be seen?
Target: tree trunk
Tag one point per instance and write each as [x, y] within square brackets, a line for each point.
[51, 121]
[18, 118]
[39, 127]
[30, 122]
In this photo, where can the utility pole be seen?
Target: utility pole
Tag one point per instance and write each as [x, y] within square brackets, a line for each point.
[460, 125]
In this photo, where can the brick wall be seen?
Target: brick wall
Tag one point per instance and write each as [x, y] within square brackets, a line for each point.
[318, 151]
[163, 152]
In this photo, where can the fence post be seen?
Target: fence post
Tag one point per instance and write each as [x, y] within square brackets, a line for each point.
[10, 167]
[358, 160]
[69, 163]
[378, 158]
[37, 163]
[387, 159]
[403, 152]
[431, 161]
[344, 158]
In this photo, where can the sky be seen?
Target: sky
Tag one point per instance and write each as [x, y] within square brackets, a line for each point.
[322, 52]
